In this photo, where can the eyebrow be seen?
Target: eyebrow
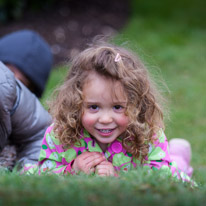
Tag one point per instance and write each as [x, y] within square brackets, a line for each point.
[94, 102]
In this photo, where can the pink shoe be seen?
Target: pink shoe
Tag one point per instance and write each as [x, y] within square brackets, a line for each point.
[180, 152]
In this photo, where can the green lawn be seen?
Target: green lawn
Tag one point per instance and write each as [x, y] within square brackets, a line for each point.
[137, 187]
[171, 40]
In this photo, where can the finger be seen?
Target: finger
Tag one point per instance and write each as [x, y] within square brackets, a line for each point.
[102, 166]
[105, 173]
[85, 155]
[91, 162]
[90, 170]
[102, 171]
[94, 159]
[93, 155]
[106, 169]
[84, 161]
[95, 162]
[80, 163]
[105, 163]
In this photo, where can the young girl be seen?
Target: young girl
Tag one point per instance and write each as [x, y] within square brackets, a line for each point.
[107, 118]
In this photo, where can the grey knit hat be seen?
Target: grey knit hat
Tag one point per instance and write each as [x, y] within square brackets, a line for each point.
[30, 54]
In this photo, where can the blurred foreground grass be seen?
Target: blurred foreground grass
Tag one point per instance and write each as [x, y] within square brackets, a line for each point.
[174, 49]
[137, 187]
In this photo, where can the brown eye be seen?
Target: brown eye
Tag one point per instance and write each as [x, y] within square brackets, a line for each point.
[118, 108]
[93, 108]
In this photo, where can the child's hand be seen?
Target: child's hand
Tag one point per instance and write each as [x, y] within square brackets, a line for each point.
[87, 161]
[105, 168]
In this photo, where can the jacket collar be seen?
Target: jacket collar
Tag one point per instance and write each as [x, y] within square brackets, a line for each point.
[92, 146]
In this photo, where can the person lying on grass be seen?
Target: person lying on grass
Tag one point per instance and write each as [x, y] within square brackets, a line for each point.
[107, 117]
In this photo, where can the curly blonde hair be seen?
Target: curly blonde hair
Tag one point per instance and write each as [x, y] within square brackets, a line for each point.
[144, 107]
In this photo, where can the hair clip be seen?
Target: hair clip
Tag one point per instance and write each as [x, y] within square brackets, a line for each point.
[117, 58]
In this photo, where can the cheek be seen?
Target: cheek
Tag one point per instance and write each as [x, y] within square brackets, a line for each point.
[87, 120]
[123, 120]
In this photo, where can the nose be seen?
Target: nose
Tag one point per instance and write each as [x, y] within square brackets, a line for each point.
[105, 118]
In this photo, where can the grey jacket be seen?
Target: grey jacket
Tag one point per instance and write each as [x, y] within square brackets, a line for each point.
[23, 120]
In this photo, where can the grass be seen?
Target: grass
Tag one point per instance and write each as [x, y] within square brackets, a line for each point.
[56, 78]
[148, 189]
[171, 39]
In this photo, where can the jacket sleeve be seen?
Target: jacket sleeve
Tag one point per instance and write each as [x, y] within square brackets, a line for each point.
[159, 158]
[29, 123]
[23, 118]
[7, 101]
[53, 157]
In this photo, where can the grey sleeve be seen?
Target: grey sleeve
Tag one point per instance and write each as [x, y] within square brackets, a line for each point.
[23, 120]
[7, 101]
[29, 122]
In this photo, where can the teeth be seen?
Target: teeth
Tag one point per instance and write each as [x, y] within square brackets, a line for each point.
[105, 130]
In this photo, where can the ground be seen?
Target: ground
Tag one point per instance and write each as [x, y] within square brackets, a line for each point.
[68, 28]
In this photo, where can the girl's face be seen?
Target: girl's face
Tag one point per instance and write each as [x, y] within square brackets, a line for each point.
[104, 105]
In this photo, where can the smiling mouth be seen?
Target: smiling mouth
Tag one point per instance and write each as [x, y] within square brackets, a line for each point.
[105, 131]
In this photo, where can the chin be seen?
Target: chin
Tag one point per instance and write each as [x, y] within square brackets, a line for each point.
[108, 141]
